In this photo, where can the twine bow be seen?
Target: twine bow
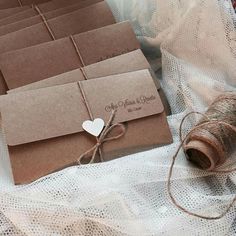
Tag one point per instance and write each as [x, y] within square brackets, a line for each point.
[102, 139]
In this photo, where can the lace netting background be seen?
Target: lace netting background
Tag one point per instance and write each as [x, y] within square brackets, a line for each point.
[128, 196]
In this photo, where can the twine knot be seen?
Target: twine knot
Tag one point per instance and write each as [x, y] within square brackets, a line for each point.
[102, 139]
[98, 144]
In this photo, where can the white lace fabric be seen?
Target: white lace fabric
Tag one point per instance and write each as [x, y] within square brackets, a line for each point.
[128, 196]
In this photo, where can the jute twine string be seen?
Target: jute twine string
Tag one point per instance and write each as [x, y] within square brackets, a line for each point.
[89, 111]
[220, 120]
[79, 56]
[50, 31]
[103, 137]
[20, 3]
[44, 21]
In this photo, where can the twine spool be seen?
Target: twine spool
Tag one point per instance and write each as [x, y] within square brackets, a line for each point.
[211, 143]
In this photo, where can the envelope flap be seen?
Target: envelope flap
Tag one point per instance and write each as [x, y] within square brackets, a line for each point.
[45, 60]
[56, 111]
[42, 114]
[110, 42]
[134, 95]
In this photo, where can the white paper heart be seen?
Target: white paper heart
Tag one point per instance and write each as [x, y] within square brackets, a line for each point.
[93, 127]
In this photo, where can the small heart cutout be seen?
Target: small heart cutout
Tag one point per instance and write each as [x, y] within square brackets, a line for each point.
[94, 127]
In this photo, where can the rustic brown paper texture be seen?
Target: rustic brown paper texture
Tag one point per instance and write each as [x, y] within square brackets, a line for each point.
[5, 13]
[9, 28]
[28, 12]
[4, 4]
[43, 127]
[128, 62]
[57, 57]
[88, 18]
[55, 4]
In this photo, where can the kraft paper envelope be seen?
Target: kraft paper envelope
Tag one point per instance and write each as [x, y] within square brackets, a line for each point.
[9, 28]
[56, 57]
[128, 62]
[18, 13]
[4, 4]
[44, 8]
[81, 20]
[124, 63]
[43, 127]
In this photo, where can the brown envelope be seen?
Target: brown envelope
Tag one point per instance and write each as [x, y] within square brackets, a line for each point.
[4, 4]
[9, 28]
[56, 57]
[44, 8]
[128, 62]
[88, 18]
[43, 127]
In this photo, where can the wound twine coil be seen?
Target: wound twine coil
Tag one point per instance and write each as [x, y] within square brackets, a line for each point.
[210, 144]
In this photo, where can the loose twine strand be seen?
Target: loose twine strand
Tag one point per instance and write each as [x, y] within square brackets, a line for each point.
[207, 123]
[102, 139]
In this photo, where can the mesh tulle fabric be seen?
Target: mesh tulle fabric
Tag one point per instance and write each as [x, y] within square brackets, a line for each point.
[128, 196]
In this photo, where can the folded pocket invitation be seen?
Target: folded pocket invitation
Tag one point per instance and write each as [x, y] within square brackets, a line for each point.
[81, 20]
[29, 11]
[21, 24]
[56, 57]
[127, 62]
[44, 128]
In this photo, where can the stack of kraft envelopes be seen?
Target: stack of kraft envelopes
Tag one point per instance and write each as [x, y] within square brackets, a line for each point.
[75, 87]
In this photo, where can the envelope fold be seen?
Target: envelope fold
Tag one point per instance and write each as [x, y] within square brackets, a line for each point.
[56, 111]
